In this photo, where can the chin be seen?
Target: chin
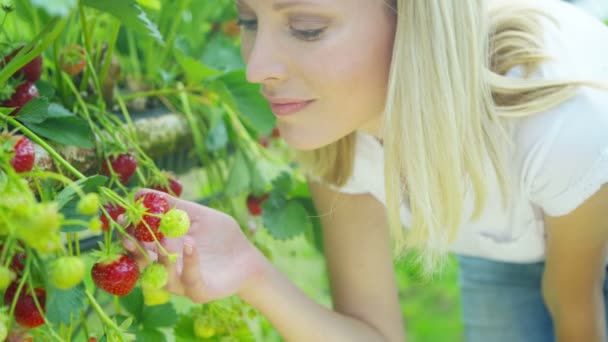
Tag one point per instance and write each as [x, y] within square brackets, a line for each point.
[306, 142]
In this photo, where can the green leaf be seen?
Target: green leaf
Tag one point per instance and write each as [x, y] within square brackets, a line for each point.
[134, 303]
[196, 72]
[159, 316]
[222, 54]
[65, 130]
[45, 89]
[217, 137]
[129, 13]
[184, 329]
[282, 183]
[68, 201]
[149, 334]
[239, 178]
[246, 97]
[314, 235]
[285, 220]
[261, 174]
[90, 184]
[38, 110]
[60, 8]
[64, 305]
[34, 111]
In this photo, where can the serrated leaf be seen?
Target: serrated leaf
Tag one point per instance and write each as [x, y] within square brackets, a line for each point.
[285, 221]
[184, 329]
[38, 110]
[246, 97]
[129, 13]
[282, 183]
[64, 305]
[149, 334]
[239, 178]
[196, 71]
[45, 89]
[222, 54]
[159, 316]
[60, 8]
[34, 111]
[65, 130]
[134, 303]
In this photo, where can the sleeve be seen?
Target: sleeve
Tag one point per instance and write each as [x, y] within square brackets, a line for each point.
[568, 159]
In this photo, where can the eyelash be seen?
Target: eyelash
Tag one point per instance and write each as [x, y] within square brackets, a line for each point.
[306, 35]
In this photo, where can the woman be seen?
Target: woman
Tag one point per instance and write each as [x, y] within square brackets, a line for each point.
[480, 130]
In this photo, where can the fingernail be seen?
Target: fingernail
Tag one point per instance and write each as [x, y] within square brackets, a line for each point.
[188, 249]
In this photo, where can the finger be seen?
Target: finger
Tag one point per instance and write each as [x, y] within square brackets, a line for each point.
[173, 283]
[136, 253]
[192, 280]
[198, 213]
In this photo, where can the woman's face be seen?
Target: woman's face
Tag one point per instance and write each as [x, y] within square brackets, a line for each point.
[322, 64]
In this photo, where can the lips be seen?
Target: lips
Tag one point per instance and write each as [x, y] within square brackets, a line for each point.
[282, 108]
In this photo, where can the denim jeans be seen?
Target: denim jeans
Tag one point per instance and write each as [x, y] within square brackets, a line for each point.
[502, 302]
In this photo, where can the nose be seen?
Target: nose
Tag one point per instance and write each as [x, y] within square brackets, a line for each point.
[265, 60]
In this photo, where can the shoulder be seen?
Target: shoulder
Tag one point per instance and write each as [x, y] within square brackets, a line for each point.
[563, 152]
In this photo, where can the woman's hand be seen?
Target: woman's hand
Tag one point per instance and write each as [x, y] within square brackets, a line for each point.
[215, 259]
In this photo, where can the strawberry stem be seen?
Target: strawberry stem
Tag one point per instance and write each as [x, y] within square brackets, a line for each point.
[102, 314]
[44, 145]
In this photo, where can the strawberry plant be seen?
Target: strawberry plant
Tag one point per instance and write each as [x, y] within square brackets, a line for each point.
[74, 153]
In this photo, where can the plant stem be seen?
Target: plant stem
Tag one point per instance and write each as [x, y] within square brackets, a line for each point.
[50, 33]
[45, 146]
[101, 313]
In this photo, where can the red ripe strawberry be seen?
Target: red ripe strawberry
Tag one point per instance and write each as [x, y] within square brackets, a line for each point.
[254, 204]
[175, 187]
[276, 133]
[22, 95]
[154, 204]
[123, 164]
[17, 263]
[24, 158]
[31, 71]
[26, 312]
[116, 275]
[114, 211]
[72, 59]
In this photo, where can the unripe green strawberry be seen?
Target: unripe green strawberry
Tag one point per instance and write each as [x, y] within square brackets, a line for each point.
[41, 229]
[203, 328]
[175, 223]
[154, 296]
[66, 272]
[89, 204]
[154, 276]
[6, 277]
[95, 224]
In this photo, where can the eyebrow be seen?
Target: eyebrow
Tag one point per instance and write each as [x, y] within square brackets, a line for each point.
[278, 6]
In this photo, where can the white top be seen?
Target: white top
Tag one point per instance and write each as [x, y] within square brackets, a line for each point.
[561, 155]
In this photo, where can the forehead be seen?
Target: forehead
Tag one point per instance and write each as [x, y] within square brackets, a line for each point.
[284, 4]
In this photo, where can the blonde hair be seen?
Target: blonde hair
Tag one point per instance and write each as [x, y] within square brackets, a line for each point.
[445, 119]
